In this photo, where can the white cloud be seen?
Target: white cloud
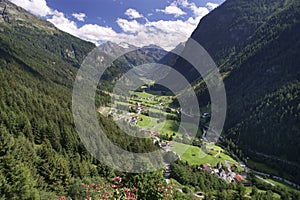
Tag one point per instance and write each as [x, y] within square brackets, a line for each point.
[94, 32]
[133, 14]
[164, 33]
[61, 22]
[130, 26]
[79, 16]
[211, 6]
[37, 7]
[90, 32]
[172, 10]
[199, 11]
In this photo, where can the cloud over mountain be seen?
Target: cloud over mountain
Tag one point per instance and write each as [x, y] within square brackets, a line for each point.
[137, 29]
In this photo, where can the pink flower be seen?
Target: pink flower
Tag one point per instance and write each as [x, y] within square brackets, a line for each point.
[117, 179]
[126, 189]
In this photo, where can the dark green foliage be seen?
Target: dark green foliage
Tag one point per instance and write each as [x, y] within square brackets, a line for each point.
[41, 155]
[256, 46]
[195, 176]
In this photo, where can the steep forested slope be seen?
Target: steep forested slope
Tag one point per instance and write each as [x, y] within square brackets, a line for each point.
[256, 46]
[263, 90]
[41, 154]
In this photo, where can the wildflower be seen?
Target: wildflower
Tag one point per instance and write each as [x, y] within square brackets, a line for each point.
[117, 179]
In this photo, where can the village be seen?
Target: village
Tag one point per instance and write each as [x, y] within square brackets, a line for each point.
[144, 110]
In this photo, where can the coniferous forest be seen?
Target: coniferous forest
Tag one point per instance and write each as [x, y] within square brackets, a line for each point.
[256, 47]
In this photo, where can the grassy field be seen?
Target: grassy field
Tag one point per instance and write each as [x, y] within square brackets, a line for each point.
[143, 94]
[146, 122]
[282, 185]
[167, 127]
[196, 156]
[249, 190]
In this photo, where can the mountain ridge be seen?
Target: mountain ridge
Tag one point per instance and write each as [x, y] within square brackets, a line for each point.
[261, 75]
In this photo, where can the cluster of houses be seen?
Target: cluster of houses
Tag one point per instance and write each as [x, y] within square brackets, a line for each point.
[139, 107]
[165, 145]
[134, 120]
[228, 173]
[152, 134]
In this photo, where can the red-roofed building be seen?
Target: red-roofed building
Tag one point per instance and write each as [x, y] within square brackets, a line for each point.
[238, 177]
[206, 167]
[171, 143]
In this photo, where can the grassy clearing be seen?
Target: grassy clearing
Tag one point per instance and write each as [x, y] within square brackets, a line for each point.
[282, 185]
[121, 103]
[167, 127]
[143, 94]
[249, 190]
[146, 122]
[196, 156]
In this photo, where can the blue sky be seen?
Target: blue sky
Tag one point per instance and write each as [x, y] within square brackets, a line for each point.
[138, 22]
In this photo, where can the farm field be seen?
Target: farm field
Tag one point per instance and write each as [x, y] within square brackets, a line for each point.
[196, 156]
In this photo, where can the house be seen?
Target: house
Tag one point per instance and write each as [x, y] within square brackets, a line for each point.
[206, 167]
[163, 144]
[230, 177]
[204, 115]
[156, 133]
[171, 143]
[220, 165]
[244, 175]
[222, 174]
[234, 167]
[239, 178]
[134, 120]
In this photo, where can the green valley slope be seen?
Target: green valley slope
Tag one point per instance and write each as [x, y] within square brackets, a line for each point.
[256, 46]
[41, 154]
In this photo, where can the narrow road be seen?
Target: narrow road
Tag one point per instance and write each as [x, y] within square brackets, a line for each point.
[219, 152]
[264, 180]
[246, 168]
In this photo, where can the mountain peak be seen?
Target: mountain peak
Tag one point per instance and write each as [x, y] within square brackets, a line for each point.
[14, 15]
